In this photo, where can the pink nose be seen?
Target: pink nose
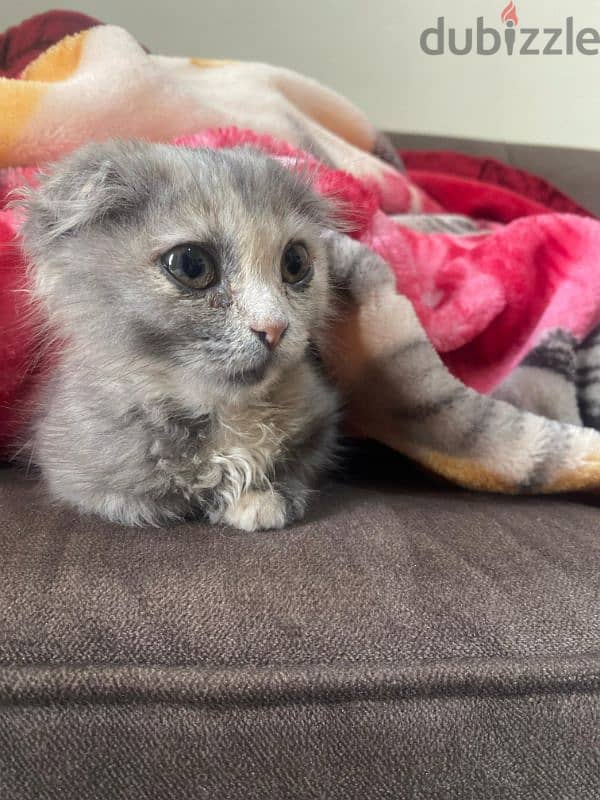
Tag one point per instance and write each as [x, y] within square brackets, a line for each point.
[271, 333]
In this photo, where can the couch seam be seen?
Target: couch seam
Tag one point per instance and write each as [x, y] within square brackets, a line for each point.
[120, 685]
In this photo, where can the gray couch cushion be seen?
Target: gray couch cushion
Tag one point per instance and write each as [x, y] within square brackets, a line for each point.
[405, 641]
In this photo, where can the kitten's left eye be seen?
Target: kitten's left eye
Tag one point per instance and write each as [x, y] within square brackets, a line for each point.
[191, 265]
[296, 263]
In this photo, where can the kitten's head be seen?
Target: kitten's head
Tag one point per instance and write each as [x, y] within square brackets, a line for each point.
[206, 268]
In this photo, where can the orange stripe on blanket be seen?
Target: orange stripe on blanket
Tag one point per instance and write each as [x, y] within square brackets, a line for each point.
[58, 62]
[470, 474]
[209, 63]
[585, 478]
[19, 101]
[21, 96]
[462, 471]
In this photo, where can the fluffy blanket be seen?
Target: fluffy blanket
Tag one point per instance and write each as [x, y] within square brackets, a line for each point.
[460, 294]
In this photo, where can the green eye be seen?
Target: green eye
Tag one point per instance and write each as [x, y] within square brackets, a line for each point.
[191, 265]
[296, 263]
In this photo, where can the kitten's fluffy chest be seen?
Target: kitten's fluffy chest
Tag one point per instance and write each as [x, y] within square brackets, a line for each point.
[235, 447]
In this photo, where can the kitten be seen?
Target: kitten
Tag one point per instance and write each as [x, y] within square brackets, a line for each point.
[186, 287]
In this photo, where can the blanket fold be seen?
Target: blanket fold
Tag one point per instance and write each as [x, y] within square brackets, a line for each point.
[469, 329]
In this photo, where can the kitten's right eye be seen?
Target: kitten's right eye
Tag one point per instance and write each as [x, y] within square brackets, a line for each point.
[191, 265]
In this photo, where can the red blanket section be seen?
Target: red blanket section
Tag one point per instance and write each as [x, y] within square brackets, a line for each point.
[484, 188]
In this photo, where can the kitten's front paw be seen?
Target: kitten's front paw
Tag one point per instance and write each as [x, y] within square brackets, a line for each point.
[257, 511]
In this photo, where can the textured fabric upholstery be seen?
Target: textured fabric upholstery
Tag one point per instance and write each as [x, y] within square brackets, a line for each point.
[405, 641]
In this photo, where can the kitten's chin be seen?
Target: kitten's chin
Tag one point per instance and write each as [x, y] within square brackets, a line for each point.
[256, 373]
[206, 392]
[234, 387]
[251, 376]
[256, 379]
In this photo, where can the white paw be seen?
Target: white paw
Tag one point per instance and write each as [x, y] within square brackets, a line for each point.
[256, 511]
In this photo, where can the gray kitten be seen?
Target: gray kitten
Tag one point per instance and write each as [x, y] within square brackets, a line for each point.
[186, 288]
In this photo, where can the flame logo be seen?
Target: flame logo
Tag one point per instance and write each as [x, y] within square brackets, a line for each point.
[509, 15]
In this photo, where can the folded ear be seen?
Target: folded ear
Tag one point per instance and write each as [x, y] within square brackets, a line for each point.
[94, 184]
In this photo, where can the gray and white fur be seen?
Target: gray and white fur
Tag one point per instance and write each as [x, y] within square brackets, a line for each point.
[168, 402]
